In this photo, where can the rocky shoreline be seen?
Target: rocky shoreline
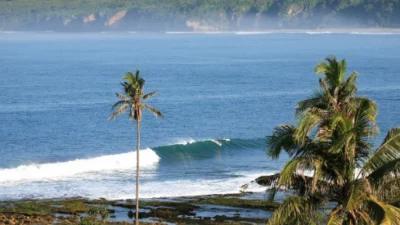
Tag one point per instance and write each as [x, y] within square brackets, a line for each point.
[242, 208]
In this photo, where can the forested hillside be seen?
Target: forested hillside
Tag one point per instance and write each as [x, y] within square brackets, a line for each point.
[197, 15]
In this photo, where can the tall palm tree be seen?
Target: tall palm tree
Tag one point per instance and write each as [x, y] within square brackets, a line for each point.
[134, 101]
[330, 142]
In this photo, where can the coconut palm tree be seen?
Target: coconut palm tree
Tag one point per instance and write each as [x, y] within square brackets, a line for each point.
[134, 102]
[330, 142]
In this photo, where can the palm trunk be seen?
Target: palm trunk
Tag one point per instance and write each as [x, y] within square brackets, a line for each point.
[137, 172]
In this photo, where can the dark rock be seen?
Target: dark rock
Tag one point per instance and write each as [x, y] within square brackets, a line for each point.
[190, 214]
[111, 210]
[131, 214]
[143, 215]
[219, 218]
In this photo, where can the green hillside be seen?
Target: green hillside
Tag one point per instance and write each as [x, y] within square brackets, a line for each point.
[196, 14]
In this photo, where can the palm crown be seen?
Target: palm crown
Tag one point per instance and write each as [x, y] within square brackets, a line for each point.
[134, 98]
[332, 144]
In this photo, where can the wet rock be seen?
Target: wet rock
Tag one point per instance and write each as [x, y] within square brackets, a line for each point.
[111, 210]
[143, 215]
[190, 214]
[219, 218]
[130, 214]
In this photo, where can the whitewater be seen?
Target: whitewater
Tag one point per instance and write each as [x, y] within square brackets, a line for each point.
[93, 177]
[221, 94]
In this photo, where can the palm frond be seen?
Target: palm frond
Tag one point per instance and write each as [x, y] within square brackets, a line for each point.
[364, 217]
[155, 111]
[359, 192]
[341, 123]
[308, 121]
[383, 213]
[366, 110]
[379, 175]
[282, 138]
[119, 103]
[270, 180]
[340, 144]
[348, 88]
[121, 96]
[387, 152]
[325, 87]
[140, 81]
[292, 175]
[331, 70]
[288, 176]
[134, 80]
[130, 78]
[149, 95]
[342, 69]
[335, 217]
[318, 100]
[389, 190]
[120, 110]
[295, 210]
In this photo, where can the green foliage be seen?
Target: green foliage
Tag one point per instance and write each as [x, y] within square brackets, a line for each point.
[222, 14]
[134, 98]
[102, 211]
[330, 143]
[89, 220]
[237, 202]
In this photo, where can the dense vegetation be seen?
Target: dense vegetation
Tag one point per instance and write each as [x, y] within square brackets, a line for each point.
[332, 159]
[198, 14]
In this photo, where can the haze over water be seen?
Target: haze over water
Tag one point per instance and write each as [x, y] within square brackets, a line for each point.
[56, 93]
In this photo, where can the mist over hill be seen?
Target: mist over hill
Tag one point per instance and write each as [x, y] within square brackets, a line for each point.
[196, 15]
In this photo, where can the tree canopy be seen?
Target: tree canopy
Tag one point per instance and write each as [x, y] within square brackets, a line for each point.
[218, 14]
[332, 159]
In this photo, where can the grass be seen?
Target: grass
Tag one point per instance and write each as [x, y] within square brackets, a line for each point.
[182, 212]
[237, 202]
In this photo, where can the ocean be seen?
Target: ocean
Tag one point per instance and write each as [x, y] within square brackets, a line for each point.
[221, 94]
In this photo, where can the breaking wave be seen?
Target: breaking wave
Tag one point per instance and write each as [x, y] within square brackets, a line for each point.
[52, 171]
[184, 150]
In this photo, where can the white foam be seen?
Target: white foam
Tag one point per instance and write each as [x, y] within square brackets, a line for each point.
[188, 141]
[252, 32]
[373, 33]
[197, 32]
[178, 32]
[177, 188]
[183, 141]
[123, 187]
[59, 170]
[318, 32]
[8, 32]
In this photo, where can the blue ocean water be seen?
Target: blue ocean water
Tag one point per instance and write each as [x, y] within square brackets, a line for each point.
[56, 93]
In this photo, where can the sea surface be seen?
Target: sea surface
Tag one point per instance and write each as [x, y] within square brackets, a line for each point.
[221, 94]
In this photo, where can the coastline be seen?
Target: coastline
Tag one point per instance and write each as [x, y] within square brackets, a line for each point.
[294, 31]
[265, 31]
[236, 208]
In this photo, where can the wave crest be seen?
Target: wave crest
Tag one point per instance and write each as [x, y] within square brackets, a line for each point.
[49, 171]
